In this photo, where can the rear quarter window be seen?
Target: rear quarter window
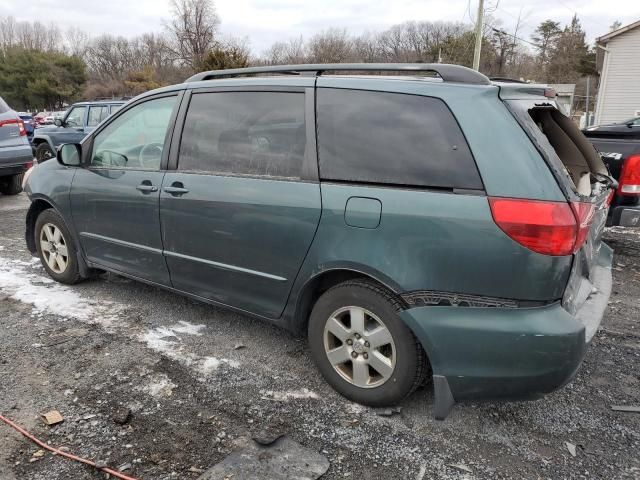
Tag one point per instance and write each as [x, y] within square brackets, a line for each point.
[392, 138]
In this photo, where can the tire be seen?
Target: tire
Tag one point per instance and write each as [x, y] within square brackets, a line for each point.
[11, 185]
[44, 152]
[404, 361]
[48, 224]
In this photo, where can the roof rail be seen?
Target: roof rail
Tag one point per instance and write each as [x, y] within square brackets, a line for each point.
[506, 80]
[448, 73]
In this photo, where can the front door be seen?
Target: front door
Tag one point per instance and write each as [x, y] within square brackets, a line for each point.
[241, 211]
[115, 198]
[72, 130]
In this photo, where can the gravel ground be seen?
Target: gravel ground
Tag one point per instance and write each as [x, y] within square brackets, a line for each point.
[196, 378]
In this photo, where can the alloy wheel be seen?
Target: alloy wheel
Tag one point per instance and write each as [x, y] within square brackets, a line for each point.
[54, 248]
[360, 347]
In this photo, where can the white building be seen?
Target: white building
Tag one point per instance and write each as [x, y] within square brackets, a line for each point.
[618, 60]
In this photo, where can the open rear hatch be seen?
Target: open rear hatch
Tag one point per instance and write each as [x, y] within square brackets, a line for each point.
[589, 188]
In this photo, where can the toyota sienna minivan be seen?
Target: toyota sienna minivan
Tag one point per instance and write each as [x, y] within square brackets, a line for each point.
[416, 222]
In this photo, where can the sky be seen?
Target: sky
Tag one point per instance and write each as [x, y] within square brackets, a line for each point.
[263, 22]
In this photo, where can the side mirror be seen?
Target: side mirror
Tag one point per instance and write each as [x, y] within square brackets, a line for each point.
[69, 154]
[57, 122]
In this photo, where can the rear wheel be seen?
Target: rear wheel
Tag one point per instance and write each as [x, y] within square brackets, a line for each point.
[55, 248]
[44, 152]
[362, 347]
[11, 185]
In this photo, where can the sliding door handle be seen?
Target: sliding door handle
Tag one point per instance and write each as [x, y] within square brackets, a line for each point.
[147, 188]
[176, 189]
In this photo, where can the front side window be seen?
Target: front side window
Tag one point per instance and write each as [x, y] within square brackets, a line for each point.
[136, 138]
[76, 117]
[245, 133]
[97, 114]
[392, 138]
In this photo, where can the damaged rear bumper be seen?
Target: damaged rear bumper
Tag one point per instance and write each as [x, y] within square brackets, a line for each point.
[508, 353]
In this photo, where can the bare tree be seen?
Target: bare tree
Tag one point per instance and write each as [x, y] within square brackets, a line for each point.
[77, 42]
[330, 46]
[192, 30]
[289, 52]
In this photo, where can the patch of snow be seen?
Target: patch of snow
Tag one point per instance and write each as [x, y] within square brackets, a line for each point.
[47, 297]
[290, 395]
[160, 386]
[211, 364]
[188, 328]
[166, 340]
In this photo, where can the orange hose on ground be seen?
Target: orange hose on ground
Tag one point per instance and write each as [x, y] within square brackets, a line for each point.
[62, 453]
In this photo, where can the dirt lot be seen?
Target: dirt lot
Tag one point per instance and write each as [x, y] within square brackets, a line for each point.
[99, 349]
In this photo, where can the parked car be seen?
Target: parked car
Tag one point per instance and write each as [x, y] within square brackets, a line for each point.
[29, 124]
[375, 214]
[621, 154]
[629, 128]
[77, 122]
[15, 152]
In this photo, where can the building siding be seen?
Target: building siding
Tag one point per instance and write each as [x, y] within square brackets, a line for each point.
[619, 95]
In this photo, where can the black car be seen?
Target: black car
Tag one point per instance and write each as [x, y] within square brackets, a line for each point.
[629, 128]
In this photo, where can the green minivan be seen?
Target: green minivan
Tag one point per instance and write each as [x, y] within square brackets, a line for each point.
[418, 222]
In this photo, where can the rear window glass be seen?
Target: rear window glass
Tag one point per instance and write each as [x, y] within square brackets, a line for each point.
[392, 138]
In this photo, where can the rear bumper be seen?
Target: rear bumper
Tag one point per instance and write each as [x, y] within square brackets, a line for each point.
[625, 216]
[506, 353]
[13, 159]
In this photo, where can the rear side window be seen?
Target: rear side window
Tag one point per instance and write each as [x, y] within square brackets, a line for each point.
[245, 133]
[97, 114]
[392, 138]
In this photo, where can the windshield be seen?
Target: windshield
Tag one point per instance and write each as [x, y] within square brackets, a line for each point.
[633, 121]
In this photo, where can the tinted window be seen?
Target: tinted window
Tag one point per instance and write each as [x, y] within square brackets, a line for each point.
[76, 117]
[393, 138]
[97, 114]
[136, 138]
[246, 133]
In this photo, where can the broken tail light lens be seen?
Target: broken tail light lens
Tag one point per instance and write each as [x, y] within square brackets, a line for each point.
[584, 213]
[630, 177]
[549, 228]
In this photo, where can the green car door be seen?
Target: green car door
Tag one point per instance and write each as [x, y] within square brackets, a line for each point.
[115, 198]
[241, 210]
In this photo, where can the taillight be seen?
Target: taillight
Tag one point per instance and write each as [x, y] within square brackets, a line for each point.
[584, 213]
[549, 228]
[14, 121]
[629, 183]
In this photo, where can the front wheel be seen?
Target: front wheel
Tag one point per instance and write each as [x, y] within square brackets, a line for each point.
[55, 247]
[44, 152]
[362, 347]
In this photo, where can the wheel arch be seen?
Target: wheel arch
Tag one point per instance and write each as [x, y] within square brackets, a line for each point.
[38, 140]
[39, 205]
[322, 281]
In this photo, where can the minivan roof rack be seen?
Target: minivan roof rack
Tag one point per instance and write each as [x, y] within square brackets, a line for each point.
[447, 72]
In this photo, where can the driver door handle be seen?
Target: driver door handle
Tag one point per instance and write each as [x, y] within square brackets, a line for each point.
[176, 189]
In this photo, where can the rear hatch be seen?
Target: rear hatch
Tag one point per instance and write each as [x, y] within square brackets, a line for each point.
[581, 175]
